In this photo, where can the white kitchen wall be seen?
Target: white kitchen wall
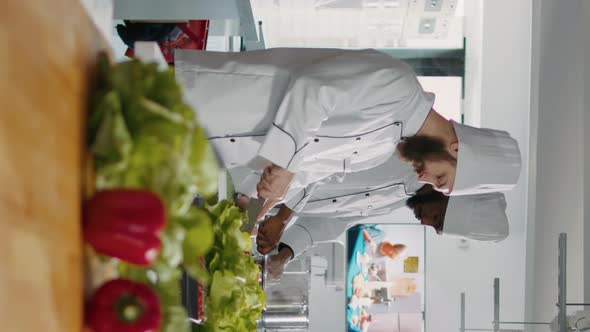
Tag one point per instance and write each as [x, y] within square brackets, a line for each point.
[559, 159]
[448, 94]
[505, 104]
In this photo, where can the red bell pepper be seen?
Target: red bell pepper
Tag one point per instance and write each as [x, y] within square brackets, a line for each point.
[124, 223]
[122, 305]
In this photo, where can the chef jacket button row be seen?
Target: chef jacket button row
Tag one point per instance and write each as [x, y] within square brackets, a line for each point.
[233, 141]
[367, 194]
[317, 139]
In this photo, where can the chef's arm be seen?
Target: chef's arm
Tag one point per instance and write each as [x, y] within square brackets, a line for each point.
[285, 213]
[298, 201]
[349, 80]
[306, 233]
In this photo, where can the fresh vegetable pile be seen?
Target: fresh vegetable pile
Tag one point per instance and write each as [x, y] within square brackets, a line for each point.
[125, 224]
[235, 299]
[151, 160]
[124, 305]
[142, 135]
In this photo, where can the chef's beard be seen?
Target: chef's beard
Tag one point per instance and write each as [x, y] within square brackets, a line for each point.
[429, 197]
[431, 202]
[417, 149]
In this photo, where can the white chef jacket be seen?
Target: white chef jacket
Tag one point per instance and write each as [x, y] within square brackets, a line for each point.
[311, 111]
[344, 200]
[357, 194]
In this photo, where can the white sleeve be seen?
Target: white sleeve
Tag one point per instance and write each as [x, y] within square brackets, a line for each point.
[351, 80]
[305, 233]
[296, 202]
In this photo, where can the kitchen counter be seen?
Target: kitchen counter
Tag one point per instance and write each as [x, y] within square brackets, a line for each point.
[49, 50]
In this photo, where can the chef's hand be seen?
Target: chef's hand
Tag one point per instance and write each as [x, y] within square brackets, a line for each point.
[273, 186]
[269, 233]
[276, 263]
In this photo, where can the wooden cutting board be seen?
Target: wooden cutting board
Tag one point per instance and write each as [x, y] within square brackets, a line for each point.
[47, 54]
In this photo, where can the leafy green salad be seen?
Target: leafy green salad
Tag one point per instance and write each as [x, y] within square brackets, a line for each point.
[143, 135]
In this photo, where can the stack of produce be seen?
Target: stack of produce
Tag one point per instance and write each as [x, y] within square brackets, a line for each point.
[234, 297]
[151, 160]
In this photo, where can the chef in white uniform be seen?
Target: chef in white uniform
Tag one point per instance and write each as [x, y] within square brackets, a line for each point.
[375, 191]
[371, 192]
[304, 114]
[344, 194]
[480, 217]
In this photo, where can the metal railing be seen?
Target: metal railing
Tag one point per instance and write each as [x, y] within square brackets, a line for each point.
[561, 297]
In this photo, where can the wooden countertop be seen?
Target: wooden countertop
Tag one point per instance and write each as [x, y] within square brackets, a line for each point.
[47, 52]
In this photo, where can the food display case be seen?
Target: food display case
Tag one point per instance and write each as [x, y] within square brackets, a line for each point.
[385, 278]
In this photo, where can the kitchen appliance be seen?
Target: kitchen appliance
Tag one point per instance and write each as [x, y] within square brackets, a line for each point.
[287, 298]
